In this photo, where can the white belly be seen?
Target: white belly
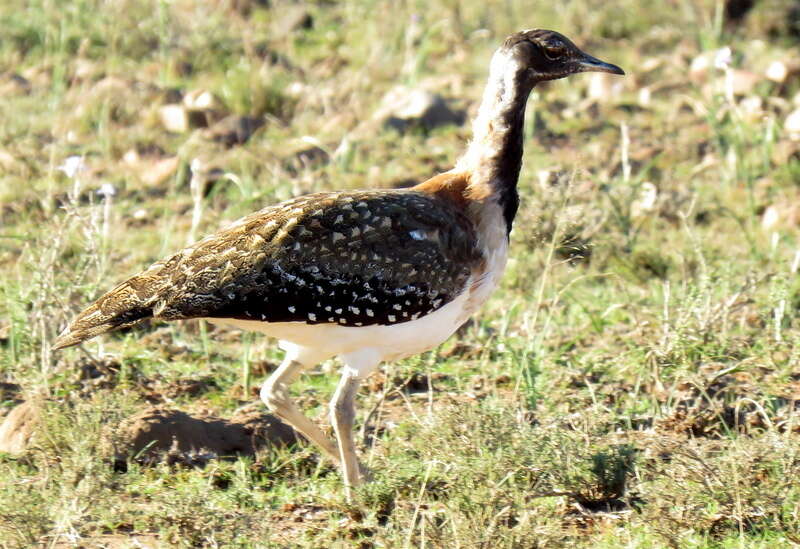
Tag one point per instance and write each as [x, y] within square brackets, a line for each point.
[390, 341]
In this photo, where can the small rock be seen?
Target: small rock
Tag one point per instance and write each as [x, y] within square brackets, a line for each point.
[131, 157]
[777, 71]
[403, 108]
[233, 130]
[174, 118]
[700, 65]
[744, 82]
[85, 69]
[752, 108]
[12, 83]
[200, 100]
[7, 161]
[17, 429]
[785, 151]
[203, 108]
[39, 76]
[780, 215]
[713, 63]
[650, 64]
[159, 171]
[792, 125]
[307, 157]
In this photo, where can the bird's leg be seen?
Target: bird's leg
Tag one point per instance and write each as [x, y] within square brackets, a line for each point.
[275, 394]
[343, 413]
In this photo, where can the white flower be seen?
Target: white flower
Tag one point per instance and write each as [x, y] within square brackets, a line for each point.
[646, 200]
[107, 190]
[72, 166]
[723, 58]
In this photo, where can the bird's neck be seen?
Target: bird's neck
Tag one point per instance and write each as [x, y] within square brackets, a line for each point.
[494, 156]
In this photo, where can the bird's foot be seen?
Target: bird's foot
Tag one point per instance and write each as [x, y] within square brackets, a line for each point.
[365, 473]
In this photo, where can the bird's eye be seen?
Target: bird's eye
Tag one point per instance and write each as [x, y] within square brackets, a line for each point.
[554, 51]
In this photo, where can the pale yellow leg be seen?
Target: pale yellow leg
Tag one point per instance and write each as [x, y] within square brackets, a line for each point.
[343, 413]
[275, 394]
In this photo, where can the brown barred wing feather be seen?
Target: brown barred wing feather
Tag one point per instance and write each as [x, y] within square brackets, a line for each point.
[351, 258]
[354, 259]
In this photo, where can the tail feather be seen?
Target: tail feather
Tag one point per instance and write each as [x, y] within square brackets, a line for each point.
[120, 307]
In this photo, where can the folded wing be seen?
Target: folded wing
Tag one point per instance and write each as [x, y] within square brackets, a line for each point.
[351, 258]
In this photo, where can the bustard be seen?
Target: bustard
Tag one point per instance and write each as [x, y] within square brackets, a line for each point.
[367, 276]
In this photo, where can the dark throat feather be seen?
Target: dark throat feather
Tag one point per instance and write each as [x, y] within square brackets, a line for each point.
[494, 156]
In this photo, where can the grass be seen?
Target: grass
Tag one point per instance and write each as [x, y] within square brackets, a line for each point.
[633, 383]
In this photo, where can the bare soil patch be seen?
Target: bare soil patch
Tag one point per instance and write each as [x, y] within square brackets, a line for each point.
[157, 434]
[17, 429]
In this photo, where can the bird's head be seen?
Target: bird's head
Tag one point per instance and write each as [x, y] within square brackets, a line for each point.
[547, 55]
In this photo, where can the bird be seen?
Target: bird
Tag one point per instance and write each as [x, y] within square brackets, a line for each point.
[367, 276]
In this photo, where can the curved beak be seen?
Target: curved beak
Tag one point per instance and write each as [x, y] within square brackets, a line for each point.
[587, 63]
